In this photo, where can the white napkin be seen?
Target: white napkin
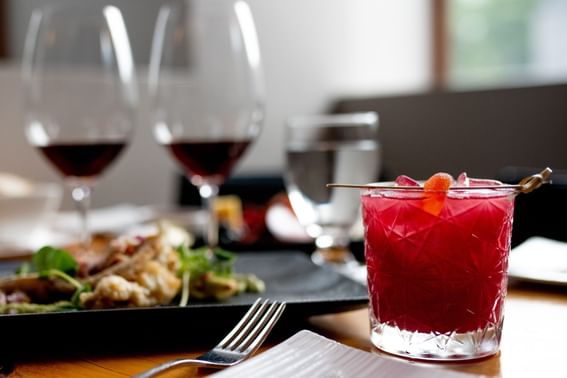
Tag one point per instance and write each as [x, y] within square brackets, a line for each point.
[539, 259]
[307, 354]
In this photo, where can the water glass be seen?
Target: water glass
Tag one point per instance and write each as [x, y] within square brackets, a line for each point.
[322, 149]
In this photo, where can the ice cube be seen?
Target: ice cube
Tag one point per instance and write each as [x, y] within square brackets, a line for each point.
[404, 180]
[483, 182]
[463, 179]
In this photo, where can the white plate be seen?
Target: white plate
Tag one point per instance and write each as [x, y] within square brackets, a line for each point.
[32, 242]
[108, 219]
[120, 219]
[284, 225]
[539, 260]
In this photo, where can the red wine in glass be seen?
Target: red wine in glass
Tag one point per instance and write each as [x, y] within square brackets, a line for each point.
[82, 159]
[207, 164]
[210, 161]
[81, 162]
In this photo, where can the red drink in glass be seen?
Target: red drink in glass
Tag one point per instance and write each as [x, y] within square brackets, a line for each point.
[208, 160]
[437, 274]
[82, 159]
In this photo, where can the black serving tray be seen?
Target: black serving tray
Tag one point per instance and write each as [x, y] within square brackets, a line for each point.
[307, 288]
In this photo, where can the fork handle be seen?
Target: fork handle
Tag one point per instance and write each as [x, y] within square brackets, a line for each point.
[176, 363]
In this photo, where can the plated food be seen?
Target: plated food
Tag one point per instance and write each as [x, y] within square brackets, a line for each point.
[125, 271]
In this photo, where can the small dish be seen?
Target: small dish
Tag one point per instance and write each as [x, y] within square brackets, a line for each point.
[539, 260]
[284, 225]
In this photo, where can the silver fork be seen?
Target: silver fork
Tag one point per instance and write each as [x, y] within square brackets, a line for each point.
[240, 343]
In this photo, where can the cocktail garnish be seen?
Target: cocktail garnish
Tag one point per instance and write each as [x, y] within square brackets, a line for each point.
[531, 183]
[436, 188]
[526, 185]
[439, 182]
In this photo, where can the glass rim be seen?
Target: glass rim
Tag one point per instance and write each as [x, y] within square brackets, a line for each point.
[390, 186]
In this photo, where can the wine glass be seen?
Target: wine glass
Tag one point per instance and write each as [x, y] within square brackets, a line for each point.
[80, 93]
[206, 91]
[322, 149]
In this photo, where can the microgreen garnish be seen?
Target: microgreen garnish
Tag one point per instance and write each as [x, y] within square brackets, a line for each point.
[54, 262]
[198, 262]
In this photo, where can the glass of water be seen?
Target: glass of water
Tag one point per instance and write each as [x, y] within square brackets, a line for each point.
[322, 149]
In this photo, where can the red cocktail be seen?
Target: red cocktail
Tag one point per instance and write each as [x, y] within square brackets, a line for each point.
[437, 262]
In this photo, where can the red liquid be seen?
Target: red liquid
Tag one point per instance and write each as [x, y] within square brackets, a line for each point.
[212, 160]
[443, 273]
[82, 159]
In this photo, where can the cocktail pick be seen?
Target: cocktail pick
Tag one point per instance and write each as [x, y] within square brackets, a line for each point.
[526, 185]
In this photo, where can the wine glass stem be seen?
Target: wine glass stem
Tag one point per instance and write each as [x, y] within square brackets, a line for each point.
[209, 193]
[333, 248]
[82, 197]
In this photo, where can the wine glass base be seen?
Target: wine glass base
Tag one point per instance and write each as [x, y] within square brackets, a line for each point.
[342, 261]
[332, 256]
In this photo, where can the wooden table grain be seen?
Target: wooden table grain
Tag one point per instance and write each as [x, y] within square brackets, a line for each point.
[534, 344]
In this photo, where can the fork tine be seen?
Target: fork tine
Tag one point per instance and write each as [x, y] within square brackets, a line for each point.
[245, 329]
[242, 323]
[262, 329]
[266, 330]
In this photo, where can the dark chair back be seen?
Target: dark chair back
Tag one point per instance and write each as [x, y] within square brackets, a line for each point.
[474, 131]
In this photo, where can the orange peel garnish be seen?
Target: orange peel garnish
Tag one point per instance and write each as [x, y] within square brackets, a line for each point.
[436, 189]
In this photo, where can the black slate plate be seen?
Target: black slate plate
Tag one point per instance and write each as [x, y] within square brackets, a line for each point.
[291, 276]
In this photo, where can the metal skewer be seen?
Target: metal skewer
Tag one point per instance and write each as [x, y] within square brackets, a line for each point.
[526, 185]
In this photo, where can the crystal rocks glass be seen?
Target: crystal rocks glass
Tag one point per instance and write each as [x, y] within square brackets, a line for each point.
[437, 275]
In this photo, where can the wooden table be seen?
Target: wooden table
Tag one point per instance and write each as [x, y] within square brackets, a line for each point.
[534, 343]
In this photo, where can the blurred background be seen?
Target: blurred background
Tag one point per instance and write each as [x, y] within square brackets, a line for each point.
[460, 85]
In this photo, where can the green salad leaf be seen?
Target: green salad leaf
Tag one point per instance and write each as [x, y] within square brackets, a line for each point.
[53, 262]
[76, 298]
[26, 308]
[200, 261]
[223, 263]
[49, 258]
[196, 263]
